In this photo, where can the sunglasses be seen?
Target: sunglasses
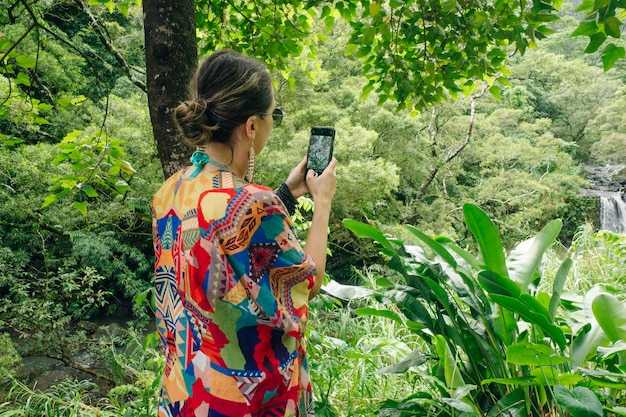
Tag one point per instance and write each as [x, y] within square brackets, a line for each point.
[277, 116]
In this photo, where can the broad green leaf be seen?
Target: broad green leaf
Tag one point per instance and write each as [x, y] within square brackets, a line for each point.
[586, 28]
[416, 358]
[551, 375]
[123, 9]
[581, 402]
[524, 263]
[22, 79]
[81, 206]
[511, 405]
[612, 26]
[533, 354]
[365, 230]
[495, 92]
[587, 341]
[25, 61]
[532, 317]
[487, 237]
[369, 311]
[375, 8]
[557, 286]
[590, 336]
[459, 405]
[608, 382]
[611, 54]
[460, 252]
[90, 191]
[536, 306]
[439, 293]
[49, 200]
[595, 41]
[346, 292]
[496, 284]
[504, 321]
[618, 347]
[449, 363]
[142, 296]
[436, 247]
[611, 316]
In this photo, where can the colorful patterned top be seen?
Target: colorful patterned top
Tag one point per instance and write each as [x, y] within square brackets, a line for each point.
[232, 286]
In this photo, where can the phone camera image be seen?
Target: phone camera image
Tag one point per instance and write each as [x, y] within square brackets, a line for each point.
[320, 148]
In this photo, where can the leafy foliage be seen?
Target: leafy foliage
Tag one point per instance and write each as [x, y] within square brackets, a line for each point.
[412, 53]
[603, 20]
[466, 308]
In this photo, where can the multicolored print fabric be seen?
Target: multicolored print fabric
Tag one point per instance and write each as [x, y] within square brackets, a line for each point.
[232, 286]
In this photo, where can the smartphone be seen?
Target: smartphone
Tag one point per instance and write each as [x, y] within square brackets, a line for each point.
[320, 148]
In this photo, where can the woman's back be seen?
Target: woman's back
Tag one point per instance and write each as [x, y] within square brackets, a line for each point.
[232, 285]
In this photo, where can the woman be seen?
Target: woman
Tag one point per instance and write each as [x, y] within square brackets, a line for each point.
[232, 281]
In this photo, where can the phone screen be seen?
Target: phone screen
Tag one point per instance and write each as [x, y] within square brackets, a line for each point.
[320, 148]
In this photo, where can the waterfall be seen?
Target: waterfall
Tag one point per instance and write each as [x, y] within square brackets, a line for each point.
[613, 212]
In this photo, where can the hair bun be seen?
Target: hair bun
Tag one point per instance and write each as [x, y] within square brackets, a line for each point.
[191, 120]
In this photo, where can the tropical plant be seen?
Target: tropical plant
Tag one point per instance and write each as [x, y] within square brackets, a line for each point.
[494, 343]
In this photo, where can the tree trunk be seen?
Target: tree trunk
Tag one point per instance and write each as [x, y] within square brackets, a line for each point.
[171, 57]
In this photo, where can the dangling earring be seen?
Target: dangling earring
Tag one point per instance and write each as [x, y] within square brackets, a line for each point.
[251, 158]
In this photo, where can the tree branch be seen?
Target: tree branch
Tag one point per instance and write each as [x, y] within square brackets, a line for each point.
[99, 30]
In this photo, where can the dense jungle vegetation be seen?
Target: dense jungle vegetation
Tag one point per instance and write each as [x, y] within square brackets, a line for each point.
[467, 273]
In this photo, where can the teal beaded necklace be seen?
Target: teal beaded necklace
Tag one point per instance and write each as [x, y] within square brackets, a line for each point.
[199, 159]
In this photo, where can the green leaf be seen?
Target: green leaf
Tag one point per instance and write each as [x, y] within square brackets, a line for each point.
[142, 296]
[81, 206]
[369, 311]
[511, 405]
[533, 317]
[415, 358]
[581, 402]
[448, 363]
[586, 28]
[524, 261]
[557, 287]
[436, 247]
[521, 380]
[612, 26]
[488, 239]
[363, 230]
[611, 54]
[611, 316]
[90, 191]
[495, 284]
[22, 79]
[346, 292]
[595, 41]
[25, 61]
[533, 354]
[49, 200]
[122, 186]
[123, 9]
[460, 252]
[495, 92]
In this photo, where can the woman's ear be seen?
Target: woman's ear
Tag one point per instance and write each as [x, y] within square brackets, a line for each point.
[250, 126]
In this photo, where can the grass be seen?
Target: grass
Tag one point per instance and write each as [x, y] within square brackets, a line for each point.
[346, 353]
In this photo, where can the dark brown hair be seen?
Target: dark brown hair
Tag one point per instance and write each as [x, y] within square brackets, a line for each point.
[226, 89]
